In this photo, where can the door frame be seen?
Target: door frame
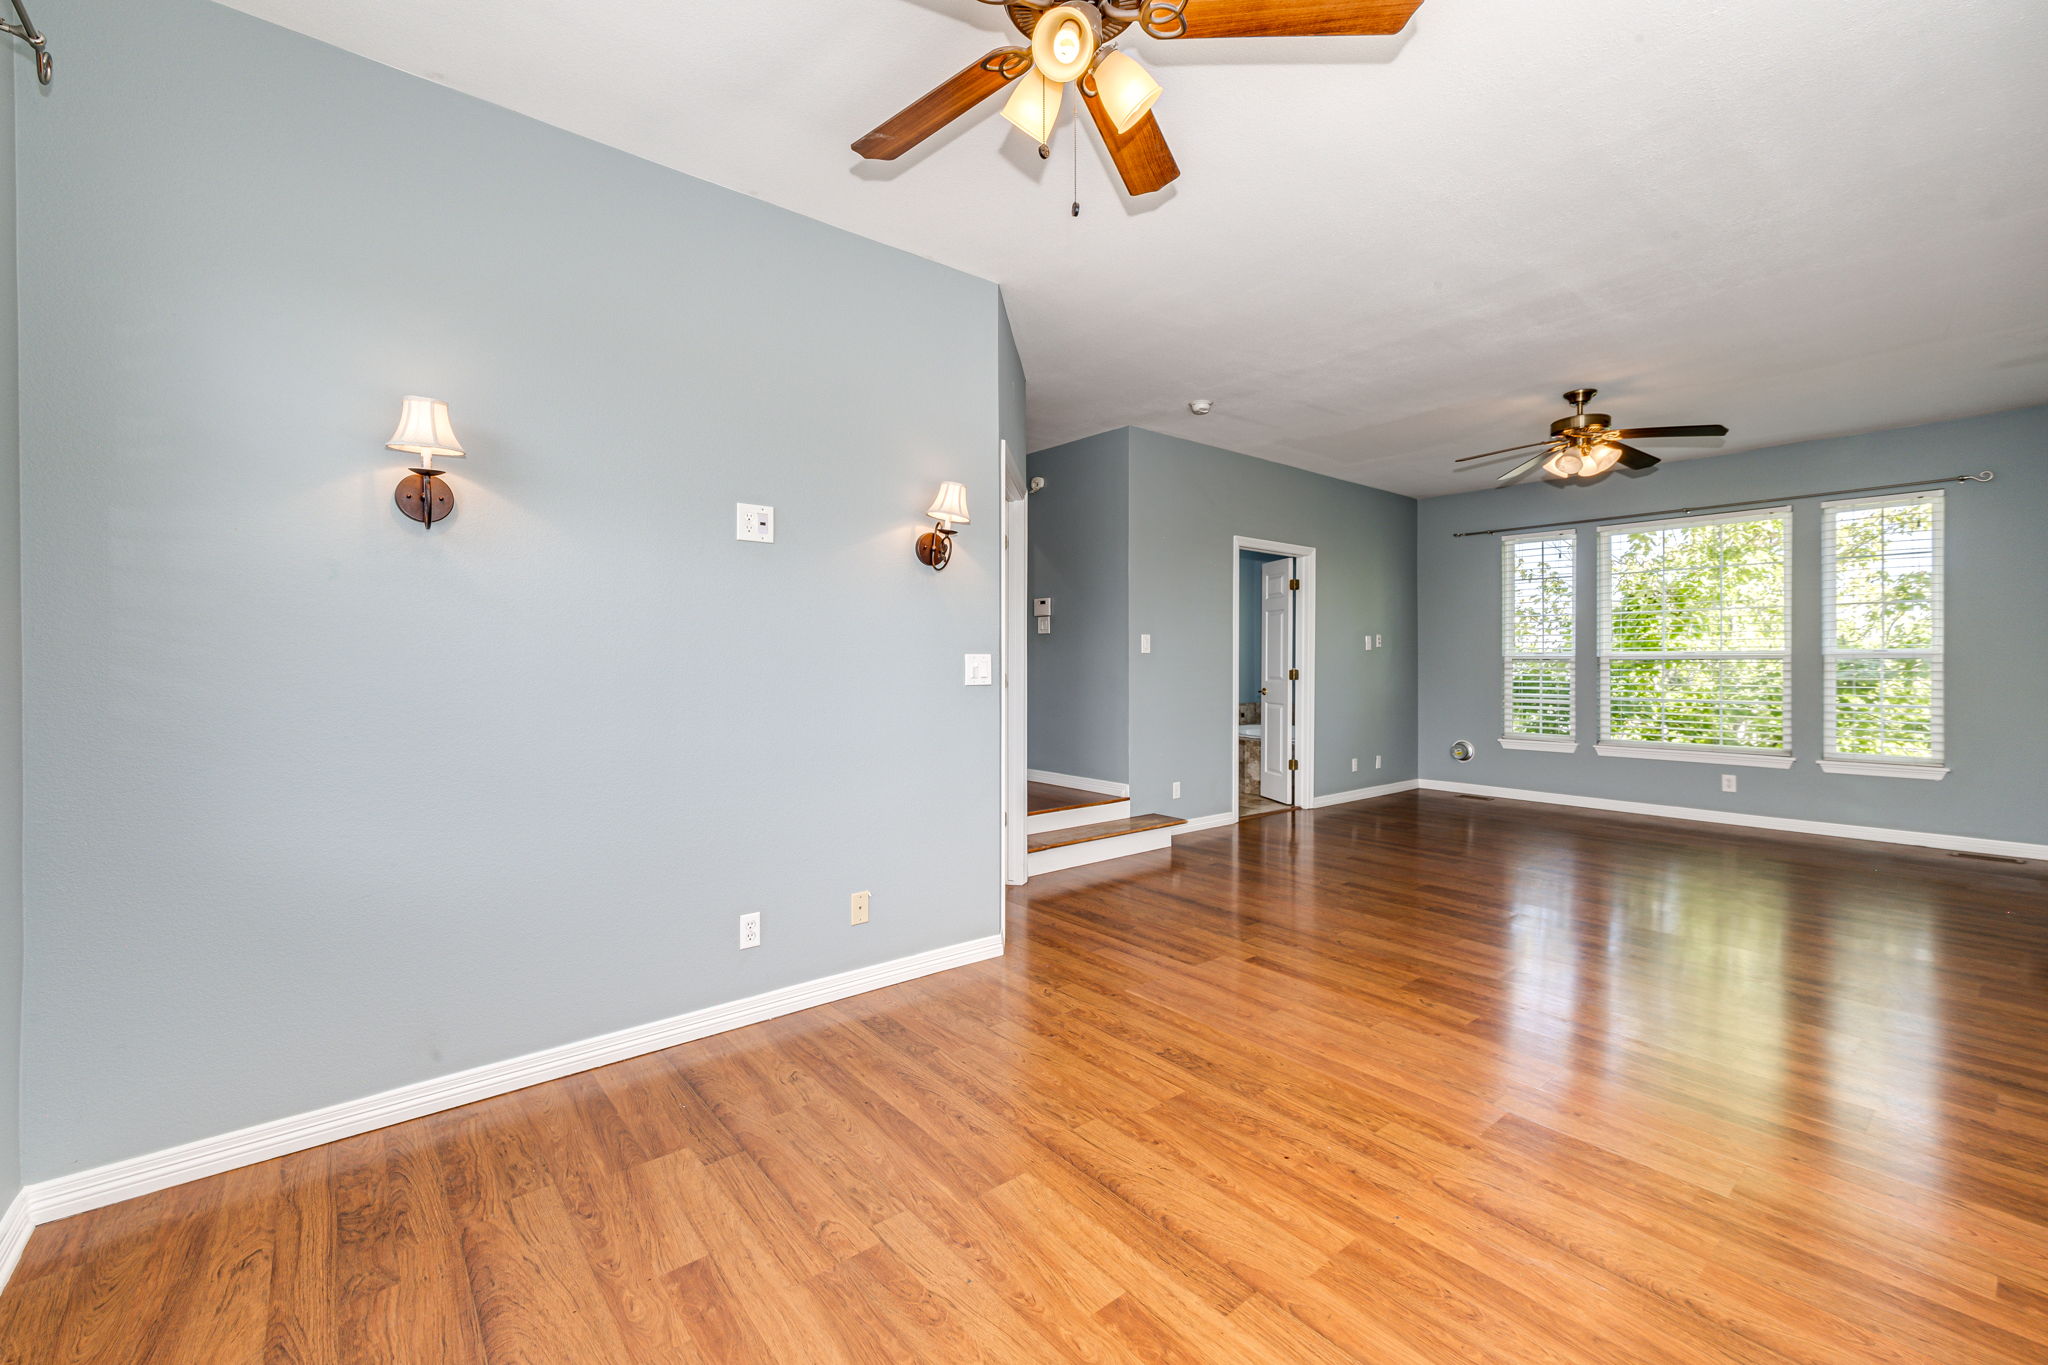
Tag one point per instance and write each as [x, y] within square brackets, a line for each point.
[1304, 557]
[1016, 597]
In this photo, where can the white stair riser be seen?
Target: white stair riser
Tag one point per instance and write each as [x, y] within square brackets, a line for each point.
[1099, 850]
[1049, 820]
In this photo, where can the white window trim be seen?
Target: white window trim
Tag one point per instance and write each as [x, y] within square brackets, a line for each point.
[1608, 747]
[1511, 739]
[1695, 753]
[1881, 765]
[1549, 744]
[1841, 767]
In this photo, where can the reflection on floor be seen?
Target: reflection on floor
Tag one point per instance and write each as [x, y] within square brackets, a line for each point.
[1413, 1081]
[1251, 803]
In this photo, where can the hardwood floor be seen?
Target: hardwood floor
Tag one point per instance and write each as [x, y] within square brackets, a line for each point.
[1419, 1080]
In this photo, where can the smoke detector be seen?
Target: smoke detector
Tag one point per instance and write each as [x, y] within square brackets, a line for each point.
[1200, 407]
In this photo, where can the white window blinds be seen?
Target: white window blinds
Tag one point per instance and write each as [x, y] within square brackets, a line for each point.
[1881, 629]
[1539, 599]
[1695, 632]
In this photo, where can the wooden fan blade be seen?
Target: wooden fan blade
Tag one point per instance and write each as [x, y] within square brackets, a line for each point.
[1142, 157]
[1656, 433]
[1273, 18]
[1504, 450]
[1631, 458]
[945, 104]
[1524, 467]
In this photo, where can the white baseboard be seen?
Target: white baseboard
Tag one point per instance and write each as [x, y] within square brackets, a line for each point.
[1361, 794]
[1201, 822]
[112, 1183]
[1958, 843]
[15, 1226]
[1086, 784]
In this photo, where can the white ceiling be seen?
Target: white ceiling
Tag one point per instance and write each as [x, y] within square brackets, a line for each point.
[1801, 218]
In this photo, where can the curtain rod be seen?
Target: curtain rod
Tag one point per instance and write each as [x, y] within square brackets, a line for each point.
[1985, 477]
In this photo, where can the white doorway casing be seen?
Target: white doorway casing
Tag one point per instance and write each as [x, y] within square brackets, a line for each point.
[1304, 698]
[1276, 688]
[1016, 594]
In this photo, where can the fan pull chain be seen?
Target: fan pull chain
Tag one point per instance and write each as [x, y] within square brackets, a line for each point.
[1077, 165]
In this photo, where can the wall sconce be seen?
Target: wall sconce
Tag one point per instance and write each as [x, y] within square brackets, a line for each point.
[424, 430]
[935, 547]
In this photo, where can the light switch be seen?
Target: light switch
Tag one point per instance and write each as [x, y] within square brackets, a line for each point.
[1144, 644]
[756, 522]
[1377, 642]
[1368, 642]
[981, 670]
[1045, 625]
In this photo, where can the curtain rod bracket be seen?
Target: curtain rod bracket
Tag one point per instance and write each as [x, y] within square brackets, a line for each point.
[27, 31]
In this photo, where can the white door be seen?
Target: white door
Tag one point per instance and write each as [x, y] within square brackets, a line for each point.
[1276, 689]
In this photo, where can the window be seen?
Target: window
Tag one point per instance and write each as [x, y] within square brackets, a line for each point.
[1694, 658]
[1881, 632]
[1538, 600]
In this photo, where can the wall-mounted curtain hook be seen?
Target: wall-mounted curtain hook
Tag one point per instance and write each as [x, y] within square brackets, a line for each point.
[26, 31]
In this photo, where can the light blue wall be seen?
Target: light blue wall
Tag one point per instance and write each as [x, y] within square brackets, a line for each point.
[1187, 501]
[1997, 647]
[17, 67]
[1080, 557]
[326, 803]
[1250, 624]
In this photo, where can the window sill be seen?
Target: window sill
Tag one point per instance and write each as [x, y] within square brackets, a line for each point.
[1724, 757]
[1852, 768]
[1542, 746]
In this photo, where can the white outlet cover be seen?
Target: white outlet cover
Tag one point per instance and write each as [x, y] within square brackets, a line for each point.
[750, 930]
[755, 522]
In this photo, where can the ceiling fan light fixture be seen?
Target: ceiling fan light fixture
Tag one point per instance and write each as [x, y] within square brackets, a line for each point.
[1599, 459]
[1127, 89]
[1034, 106]
[1064, 40]
[1565, 464]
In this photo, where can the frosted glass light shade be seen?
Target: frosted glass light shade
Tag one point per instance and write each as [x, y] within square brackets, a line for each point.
[1564, 464]
[1599, 459]
[1034, 106]
[1063, 42]
[424, 429]
[1127, 89]
[950, 506]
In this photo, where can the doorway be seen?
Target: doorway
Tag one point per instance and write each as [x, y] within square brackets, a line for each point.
[1273, 714]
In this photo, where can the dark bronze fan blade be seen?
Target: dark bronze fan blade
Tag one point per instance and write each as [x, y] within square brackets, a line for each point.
[945, 104]
[1505, 450]
[1142, 157]
[1631, 458]
[1273, 18]
[1524, 467]
[1657, 433]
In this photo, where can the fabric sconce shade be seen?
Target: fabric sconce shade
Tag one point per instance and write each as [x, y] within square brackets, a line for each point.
[948, 509]
[424, 430]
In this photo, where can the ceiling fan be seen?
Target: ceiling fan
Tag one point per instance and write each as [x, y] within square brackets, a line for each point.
[1584, 445]
[1068, 47]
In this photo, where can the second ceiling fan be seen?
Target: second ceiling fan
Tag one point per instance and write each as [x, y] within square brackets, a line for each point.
[1069, 46]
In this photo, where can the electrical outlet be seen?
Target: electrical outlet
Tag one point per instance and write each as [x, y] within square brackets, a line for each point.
[1354, 765]
[1727, 782]
[1176, 791]
[1378, 759]
[860, 907]
[1379, 642]
[750, 930]
[755, 522]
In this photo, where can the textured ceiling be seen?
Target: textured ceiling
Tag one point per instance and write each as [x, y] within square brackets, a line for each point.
[1800, 217]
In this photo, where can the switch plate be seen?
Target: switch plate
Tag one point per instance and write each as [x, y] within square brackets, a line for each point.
[1176, 791]
[1378, 759]
[1368, 642]
[1144, 644]
[1378, 641]
[755, 522]
[1045, 625]
[1727, 782]
[1354, 765]
[860, 907]
[981, 670]
[750, 930]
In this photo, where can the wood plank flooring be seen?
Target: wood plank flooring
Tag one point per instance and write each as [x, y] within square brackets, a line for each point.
[1413, 1081]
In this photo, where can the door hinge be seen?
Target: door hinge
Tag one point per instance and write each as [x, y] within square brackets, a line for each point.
[1293, 763]
[1294, 585]
[1294, 675]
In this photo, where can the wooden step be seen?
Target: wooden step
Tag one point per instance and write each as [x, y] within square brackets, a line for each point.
[1106, 829]
[1043, 798]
